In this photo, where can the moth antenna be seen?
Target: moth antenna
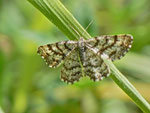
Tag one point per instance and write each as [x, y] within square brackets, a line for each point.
[88, 26]
[91, 22]
[84, 30]
[76, 32]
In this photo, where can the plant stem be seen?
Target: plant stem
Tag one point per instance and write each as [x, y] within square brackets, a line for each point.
[127, 87]
[56, 12]
[61, 17]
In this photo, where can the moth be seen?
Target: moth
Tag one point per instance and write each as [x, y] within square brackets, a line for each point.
[84, 57]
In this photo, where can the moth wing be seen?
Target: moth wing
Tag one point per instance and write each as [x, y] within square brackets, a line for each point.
[114, 46]
[71, 70]
[55, 53]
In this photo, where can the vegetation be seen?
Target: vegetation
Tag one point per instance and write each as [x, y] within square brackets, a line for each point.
[28, 85]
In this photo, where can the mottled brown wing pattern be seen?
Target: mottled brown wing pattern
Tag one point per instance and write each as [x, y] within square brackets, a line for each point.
[114, 46]
[84, 57]
[54, 54]
[71, 70]
[93, 66]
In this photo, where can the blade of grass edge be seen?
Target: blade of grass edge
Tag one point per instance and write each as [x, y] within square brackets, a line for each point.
[127, 87]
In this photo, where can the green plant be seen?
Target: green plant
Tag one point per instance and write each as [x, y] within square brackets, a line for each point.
[55, 11]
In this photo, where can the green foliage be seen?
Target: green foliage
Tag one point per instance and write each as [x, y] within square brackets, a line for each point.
[27, 85]
[54, 10]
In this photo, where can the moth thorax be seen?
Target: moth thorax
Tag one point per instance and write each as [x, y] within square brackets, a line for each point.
[81, 43]
[81, 47]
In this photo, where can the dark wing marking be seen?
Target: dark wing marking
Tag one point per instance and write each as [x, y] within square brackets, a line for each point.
[114, 46]
[71, 70]
[93, 65]
[55, 53]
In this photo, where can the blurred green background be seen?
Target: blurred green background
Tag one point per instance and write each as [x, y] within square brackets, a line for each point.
[28, 85]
